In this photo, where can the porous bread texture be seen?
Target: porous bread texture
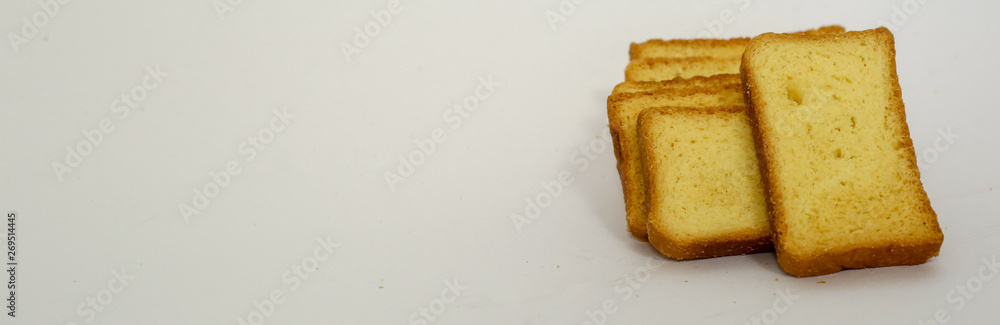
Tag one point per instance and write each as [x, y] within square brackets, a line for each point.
[696, 81]
[680, 48]
[839, 168]
[623, 113]
[654, 69]
[705, 196]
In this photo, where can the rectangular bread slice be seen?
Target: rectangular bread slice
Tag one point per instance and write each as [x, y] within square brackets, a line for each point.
[679, 48]
[696, 81]
[623, 114]
[840, 172]
[706, 198]
[653, 69]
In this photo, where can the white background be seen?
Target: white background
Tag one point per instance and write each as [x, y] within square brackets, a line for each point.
[323, 175]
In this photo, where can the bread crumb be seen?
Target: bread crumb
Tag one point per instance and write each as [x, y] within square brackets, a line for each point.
[820, 281]
[775, 279]
[685, 281]
[557, 266]
[380, 287]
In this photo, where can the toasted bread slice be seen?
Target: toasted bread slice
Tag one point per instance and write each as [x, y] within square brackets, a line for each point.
[665, 60]
[706, 198]
[654, 69]
[839, 167]
[680, 48]
[623, 114]
[676, 83]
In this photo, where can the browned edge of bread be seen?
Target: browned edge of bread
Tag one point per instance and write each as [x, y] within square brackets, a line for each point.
[830, 29]
[635, 212]
[858, 258]
[732, 244]
[649, 63]
[704, 81]
[635, 49]
[802, 266]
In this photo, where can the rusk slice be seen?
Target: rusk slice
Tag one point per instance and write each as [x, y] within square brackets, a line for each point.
[839, 168]
[677, 83]
[665, 60]
[679, 48]
[654, 69]
[623, 113]
[706, 198]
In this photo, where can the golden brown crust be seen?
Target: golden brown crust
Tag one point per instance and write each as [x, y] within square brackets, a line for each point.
[832, 29]
[635, 68]
[748, 242]
[858, 258]
[635, 199]
[735, 244]
[636, 228]
[886, 254]
[645, 49]
[636, 51]
[761, 147]
[703, 81]
[616, 144]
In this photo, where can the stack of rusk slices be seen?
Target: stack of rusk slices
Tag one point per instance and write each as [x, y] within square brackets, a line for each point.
[794, 142]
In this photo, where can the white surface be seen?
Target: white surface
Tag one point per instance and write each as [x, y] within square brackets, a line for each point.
[323, 174]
